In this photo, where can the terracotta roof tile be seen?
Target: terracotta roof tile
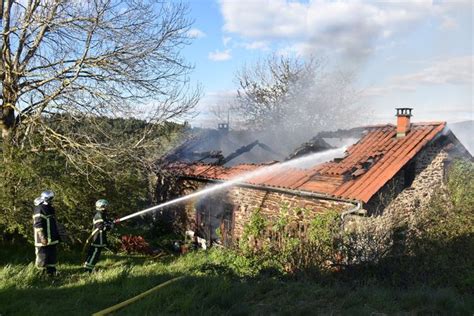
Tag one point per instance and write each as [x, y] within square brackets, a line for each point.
[366, 167]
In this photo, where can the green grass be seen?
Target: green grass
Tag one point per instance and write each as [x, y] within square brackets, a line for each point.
[210, 287]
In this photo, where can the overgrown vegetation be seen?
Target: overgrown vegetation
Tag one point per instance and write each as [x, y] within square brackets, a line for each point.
[440, 239]
[296, 240]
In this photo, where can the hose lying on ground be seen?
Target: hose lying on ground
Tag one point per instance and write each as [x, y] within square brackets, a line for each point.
[135, 298]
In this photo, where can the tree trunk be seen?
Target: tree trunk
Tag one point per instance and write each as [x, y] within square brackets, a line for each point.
[7, 113]
[7, 122]
[7, 125]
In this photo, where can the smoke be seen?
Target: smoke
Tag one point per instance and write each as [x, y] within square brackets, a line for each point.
[286, 101]
[282, 102]
[464, 131]
[325, 101]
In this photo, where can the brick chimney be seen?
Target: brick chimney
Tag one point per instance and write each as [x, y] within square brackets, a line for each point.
[403, 121]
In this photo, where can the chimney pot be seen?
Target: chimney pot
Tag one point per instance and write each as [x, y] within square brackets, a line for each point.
[223, 127]
[403, 121]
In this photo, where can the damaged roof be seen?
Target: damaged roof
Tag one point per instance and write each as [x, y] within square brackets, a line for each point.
[366, 167]
[218, 146]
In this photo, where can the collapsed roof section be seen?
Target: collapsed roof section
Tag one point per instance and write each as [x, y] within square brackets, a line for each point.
[224, 147]
[366, 167]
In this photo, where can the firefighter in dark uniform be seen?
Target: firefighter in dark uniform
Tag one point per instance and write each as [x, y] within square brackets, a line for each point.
[46, 233]
[98, 238]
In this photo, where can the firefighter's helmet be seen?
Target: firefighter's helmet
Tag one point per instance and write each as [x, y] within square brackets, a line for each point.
[38, 201]
[47, 196]
[101, 204]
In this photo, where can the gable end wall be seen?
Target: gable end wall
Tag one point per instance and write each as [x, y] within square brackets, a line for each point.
[429, 168]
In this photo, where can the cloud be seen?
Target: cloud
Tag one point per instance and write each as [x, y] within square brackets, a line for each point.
[196, 33]
[453, 71]
[351, 27]
[226, 40]
[257, 45]
[448, 24]
[456, 71]
[218, 55]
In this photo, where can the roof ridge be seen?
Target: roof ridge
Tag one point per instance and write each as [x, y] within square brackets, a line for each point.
[381, 125]
[430, 123]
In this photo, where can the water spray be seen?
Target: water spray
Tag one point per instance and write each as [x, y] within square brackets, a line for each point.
[312, 159]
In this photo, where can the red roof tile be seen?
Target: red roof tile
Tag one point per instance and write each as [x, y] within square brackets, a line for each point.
[367, 166]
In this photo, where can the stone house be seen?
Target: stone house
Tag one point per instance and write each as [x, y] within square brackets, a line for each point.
[390, 167]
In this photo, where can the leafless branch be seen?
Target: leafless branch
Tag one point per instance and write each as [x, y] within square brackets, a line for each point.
[103, 58]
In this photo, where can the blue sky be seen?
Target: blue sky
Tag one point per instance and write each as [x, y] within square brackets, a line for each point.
[412, 53]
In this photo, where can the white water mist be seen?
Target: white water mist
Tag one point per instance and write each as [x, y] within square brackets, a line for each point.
[308, 160]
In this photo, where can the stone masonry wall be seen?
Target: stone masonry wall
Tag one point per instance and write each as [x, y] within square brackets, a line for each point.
[246, 200]
[270, 203]
[429, 170]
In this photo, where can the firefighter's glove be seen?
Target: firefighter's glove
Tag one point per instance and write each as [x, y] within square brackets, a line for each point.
[43, 239]
[108, 225]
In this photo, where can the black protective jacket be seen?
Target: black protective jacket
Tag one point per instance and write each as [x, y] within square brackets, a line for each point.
[45, 224]
[101, 224]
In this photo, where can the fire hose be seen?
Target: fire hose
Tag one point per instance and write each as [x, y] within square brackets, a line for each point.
[118, 306]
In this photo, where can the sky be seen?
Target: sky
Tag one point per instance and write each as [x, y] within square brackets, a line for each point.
[415, 54]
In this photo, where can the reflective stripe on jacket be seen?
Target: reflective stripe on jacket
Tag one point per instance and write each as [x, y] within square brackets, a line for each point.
[99, 233]
[44, 222]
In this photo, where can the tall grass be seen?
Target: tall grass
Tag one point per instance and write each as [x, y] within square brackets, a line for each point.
[212, 286]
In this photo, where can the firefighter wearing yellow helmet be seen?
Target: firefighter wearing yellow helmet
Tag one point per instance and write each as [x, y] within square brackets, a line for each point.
[98, 238]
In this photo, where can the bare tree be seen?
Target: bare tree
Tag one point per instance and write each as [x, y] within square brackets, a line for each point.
[84, 59]
[294, 94]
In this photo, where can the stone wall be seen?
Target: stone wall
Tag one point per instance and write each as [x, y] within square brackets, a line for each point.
[429, 172]
[270, 203]
[246, 200]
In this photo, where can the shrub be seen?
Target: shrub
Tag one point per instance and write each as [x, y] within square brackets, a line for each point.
[440, 238]
[135, 244]
[296, 241]
[253, 236]
[461, 184]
